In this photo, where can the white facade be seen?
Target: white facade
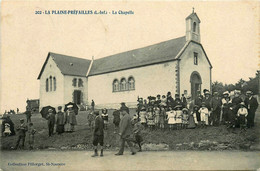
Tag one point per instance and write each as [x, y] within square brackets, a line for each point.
[53, 98]
[187, 67]
[69, 89]
[64, 87]
[149, 81]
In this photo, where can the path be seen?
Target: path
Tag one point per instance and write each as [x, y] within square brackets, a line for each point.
[174, 160]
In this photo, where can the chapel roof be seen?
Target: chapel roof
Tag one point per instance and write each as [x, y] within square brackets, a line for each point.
[157, 53]
[68, 65]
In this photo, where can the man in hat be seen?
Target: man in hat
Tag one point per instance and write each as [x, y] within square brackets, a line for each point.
[98, 134]
[251, 104]
[183, 101]
[170, 101]
[71, 118]
[125, 130]
[21, 130]
[237, 100]
[125, 107]
[51, 121]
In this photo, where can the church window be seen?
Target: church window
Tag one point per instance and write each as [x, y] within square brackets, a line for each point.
[131, 83]
[50, 83]
[54, 83]
[47, 85]
[74, 82]
[194, 27]
[115, 85]
[123, 84]
[80, 83]
[195, 58]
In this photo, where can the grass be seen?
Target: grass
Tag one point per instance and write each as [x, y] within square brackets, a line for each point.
[82, 137]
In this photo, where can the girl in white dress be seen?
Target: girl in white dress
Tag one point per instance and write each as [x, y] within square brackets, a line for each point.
[204, 115]
[171, 117]
[178, 116]
[143, 116]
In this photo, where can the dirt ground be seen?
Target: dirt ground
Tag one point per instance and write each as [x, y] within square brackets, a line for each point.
[161, 160]
[211, 138]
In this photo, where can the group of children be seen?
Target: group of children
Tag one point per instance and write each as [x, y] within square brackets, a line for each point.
[158, 117]
[21, 131]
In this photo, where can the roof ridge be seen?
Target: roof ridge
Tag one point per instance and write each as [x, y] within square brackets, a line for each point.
[69, 56]
[138, 48]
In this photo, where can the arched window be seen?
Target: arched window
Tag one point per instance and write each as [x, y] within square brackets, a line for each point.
[123, 84]
[47, 85]
[115, 85]
[80, 83]
[131, 83]
[54, 84]
[194, 27]
[74, 82]
[50, 83]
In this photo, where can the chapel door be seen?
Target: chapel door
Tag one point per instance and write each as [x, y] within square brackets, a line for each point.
[77, 96]
[195, 81]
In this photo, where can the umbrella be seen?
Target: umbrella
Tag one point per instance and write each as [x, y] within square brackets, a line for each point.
[45, 112]
[74, 107]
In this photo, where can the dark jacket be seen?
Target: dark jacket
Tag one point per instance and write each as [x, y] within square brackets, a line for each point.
[170, 102]
[251, 104]
[22, 129]
[60, 118]
[208, 102]
[216, 103]
[125, 126]
[116, 119]
[51, 118]
[99, 126]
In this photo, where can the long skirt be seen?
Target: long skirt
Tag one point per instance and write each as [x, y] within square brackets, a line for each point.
[60, 129]
[191, 122]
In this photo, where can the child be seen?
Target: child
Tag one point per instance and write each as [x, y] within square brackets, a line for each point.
[150, 118]
[204, 115]
[105, 117]
[91, 119]
[31, 132]
[22, 129]
[156, 110]
[242, 114]
[137, 131]
[162, 117]
[171, 117]
[98, 134]
[178, 116]
[143, 116]
[185, 117]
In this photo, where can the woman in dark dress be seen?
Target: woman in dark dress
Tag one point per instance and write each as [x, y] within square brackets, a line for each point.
[60, 121]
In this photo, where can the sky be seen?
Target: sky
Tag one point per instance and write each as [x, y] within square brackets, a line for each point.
[229, 34]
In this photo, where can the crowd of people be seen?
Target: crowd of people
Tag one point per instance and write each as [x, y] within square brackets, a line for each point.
[160, 112]
[163, 112]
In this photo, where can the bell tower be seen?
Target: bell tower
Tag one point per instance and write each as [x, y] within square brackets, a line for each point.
[193, 27]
